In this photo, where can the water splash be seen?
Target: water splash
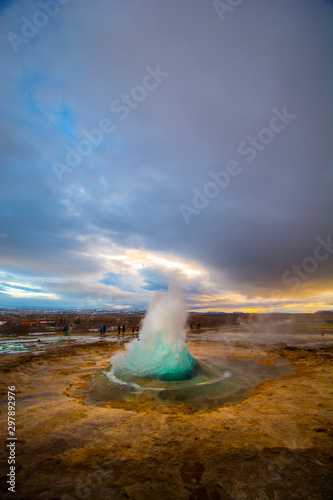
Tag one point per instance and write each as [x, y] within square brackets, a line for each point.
[160, 352]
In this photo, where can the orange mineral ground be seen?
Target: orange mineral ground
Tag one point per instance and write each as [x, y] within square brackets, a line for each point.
[275, 443]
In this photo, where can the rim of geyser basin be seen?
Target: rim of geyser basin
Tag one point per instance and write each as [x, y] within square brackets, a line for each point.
[167, 383]
[231, 381]
[202, 392]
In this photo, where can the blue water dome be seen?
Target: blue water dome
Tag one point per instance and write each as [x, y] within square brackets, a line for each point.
[160, 352]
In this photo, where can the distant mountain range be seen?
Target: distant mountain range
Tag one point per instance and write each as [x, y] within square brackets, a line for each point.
[20, 311]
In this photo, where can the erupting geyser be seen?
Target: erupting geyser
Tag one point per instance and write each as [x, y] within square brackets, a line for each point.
[157, 368]
[160, 352]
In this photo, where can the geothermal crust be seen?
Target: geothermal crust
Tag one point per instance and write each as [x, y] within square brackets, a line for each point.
[276, 443]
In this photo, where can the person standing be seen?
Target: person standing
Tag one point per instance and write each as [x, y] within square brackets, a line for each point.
[123, 328]
[118, 329]
[104, 330]
[101, 330]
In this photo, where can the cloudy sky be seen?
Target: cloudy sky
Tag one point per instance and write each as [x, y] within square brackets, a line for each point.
[147, 140]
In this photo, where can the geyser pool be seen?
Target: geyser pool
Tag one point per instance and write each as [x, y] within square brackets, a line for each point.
[208, 388]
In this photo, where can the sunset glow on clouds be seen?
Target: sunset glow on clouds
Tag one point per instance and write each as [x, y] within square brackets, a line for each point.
[191, 149]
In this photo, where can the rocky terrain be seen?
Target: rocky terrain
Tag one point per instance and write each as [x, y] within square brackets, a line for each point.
[276, 443]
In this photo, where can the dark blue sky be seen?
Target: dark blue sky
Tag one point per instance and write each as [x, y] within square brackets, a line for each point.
[142, 141]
